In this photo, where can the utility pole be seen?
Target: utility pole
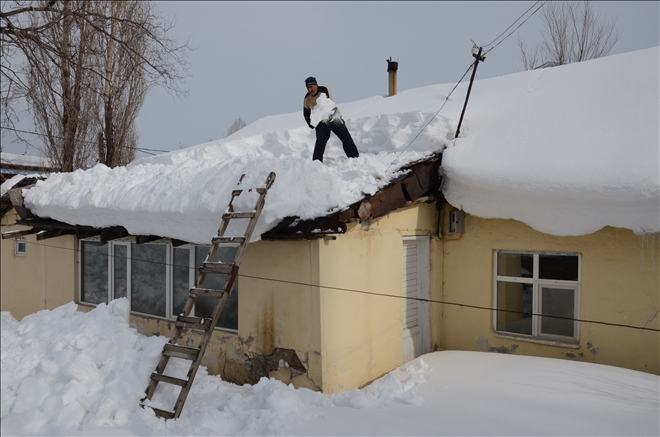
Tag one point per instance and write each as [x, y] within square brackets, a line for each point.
[478, 57]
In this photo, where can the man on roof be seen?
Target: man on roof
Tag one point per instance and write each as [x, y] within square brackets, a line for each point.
[325, 119]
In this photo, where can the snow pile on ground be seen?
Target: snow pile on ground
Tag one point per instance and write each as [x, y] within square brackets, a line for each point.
[566, 150]
[70, 373]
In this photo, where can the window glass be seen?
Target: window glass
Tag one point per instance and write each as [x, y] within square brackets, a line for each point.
[21, 247]
[204, 305]
[515, 306]
[148, 278]
[558, 302]
[517, 265]
[94, 272]
[181, 276]
[560, 267]
[121, 270]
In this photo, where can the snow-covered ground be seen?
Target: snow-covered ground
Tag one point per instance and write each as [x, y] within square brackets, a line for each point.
[566, 150]
[66, 372]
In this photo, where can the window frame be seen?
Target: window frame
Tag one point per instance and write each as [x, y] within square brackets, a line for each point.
[537, 304]
[169, 275]
[20, 241]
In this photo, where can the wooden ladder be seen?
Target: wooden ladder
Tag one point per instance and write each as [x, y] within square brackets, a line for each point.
[206, 325]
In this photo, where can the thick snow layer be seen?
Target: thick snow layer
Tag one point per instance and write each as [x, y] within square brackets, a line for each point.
[566, 150]
[66, 372]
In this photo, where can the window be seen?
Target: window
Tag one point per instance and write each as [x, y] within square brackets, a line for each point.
[154, 277]
[537, 294]
[21, 247]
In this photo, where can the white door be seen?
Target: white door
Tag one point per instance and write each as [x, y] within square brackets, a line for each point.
[416, 335]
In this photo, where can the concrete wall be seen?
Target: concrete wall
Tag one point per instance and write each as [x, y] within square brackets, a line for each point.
[620, 285]
[44, 278]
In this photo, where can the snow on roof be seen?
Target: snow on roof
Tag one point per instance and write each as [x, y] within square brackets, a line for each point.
[24, 160]
[566, 150]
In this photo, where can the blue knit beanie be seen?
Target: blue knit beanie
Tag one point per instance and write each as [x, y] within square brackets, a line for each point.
[310, 81]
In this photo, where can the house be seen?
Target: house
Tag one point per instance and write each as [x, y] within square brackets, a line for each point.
[30, 270]
[12, 165]
[533, 233]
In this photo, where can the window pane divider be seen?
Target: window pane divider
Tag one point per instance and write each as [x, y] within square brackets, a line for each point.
[537, 304]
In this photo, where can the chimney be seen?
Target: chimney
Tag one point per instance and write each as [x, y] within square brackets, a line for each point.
[391, 70]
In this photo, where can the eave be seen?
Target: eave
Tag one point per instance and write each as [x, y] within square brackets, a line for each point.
[420, 183]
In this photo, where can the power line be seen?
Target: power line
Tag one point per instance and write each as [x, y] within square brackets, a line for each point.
[433, 301]
[512, 24]
[505, 38]
[140, 149]
[434, 115]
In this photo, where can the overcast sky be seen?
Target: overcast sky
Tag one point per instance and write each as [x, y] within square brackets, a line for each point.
[251, 58]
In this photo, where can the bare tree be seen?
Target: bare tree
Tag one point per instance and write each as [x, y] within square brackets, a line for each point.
[59, 90]
[572, 32]
[124, 85]
[530, 58]
[237, 125]
[88, 67]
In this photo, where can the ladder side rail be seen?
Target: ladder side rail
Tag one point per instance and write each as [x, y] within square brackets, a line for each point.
[206, 337]
[229, 283]
[250, 228]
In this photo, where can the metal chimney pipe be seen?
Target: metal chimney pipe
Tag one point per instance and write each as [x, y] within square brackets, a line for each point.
[391, 70]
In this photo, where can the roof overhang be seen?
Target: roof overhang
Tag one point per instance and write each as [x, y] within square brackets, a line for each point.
[420, 182]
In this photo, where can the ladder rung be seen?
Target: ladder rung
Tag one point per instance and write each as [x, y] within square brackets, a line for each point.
[195, 354]
[206, 292]
[178, 351]
[168, 379]
[258, 190]
[222, 268]
[193, 322]
[227, 240]
[163, 413]
[238, 215]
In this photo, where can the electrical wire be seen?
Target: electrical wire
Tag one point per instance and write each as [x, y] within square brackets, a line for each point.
[471, 66]
[434, 115]
[139, 149]
[505, 38]
[512, 24]
[327, 287]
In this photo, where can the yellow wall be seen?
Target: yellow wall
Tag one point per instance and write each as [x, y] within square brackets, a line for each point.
[44, 278]
[619, 285]
[283, 311]
[346, 339]
[361, 334]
